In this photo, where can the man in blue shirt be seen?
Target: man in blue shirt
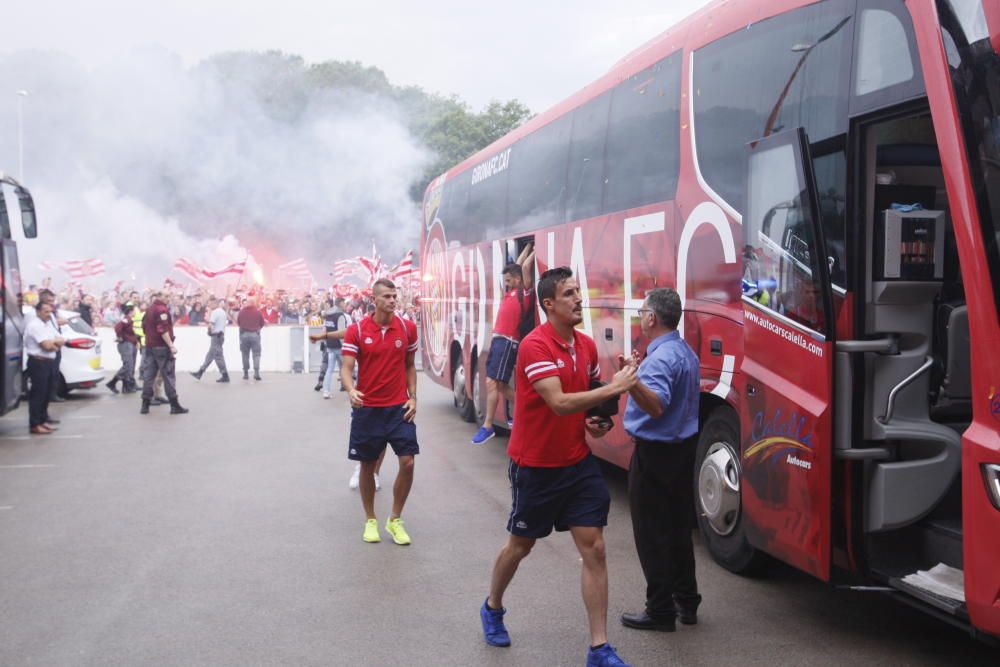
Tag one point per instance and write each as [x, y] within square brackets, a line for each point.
[662, 417]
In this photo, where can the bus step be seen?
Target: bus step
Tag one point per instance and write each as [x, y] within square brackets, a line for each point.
[939, 587]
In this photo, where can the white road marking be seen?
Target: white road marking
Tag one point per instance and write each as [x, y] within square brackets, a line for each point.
[27, 465]
[40, 437]
[6, 507]
[84, 417]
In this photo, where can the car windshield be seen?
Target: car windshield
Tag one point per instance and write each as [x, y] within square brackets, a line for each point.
[975, 74]
[77, 324]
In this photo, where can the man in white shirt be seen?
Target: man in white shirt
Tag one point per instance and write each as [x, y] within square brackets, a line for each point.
[41, 343]
[217, 322]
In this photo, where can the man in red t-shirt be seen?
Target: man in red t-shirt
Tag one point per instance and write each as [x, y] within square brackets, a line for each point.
[555, 480]
[517, 306]
[384, 403]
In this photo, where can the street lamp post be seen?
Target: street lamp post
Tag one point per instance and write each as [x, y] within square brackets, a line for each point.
[21, 94]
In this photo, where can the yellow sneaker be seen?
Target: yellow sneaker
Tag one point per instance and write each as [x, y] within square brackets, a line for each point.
[371, 531]
[395, 528]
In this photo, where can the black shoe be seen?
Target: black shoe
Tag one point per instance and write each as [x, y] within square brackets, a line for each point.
[112, 387]
[144, 410]
[643, 621]
[319, 385]
[57, 399]
[159, 401]
[129, 390]
[176, 409]
[246, 375]
[256, 376]
[686, 615]
[196, 375]
[50, 420]
[224, 378]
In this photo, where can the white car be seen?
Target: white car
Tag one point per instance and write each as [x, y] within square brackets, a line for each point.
[80, 366]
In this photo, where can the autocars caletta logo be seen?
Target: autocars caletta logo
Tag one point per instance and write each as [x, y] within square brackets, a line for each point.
[995, 403]
[779, 434]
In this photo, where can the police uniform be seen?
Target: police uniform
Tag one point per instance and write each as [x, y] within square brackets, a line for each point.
[217, 332]
[127, 343]
[159, 359]
[334, 319]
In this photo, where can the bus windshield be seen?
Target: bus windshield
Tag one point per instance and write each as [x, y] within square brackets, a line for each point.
[975, 74]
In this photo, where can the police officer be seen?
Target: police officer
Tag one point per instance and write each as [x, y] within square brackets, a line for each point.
[250, 322]
[127, 342]
[334, 319]
[217, 322]
[662, 416]
[160, 353]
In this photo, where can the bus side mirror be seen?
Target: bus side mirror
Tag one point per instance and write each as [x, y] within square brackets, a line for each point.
[28, 220]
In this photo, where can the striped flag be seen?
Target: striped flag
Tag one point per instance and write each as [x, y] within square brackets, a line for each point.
[46, 266]
[235, 267]
[346, 268]
[190, 269]
[83, 268]
[404, 268]
[297, 270]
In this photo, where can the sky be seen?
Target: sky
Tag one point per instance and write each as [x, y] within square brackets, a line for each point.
[537, 52]
[127, 140]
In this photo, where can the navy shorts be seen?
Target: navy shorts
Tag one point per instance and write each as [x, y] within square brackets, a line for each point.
[560, 498]
[502, 359]
[372, 428]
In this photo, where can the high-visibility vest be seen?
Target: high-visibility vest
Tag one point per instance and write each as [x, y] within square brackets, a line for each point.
[137, 324]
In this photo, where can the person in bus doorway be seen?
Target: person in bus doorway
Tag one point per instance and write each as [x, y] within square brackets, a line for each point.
[515, 319]
[384, 404]
[555, 480]
[127, 341]
[661, 415]
[217, 321]
[160, 355]
[250, 321]
[41, 343]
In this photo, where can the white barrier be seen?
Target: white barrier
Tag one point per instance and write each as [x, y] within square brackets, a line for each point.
[281, 346]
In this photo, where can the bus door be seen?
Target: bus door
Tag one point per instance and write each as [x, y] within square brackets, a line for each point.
[785, 412]
[12, 324]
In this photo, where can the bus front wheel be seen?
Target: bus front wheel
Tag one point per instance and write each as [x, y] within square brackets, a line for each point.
[717, 481]
[466, 408]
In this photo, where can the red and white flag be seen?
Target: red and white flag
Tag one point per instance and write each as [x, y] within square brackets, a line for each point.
[235, 267]
[46, 265]
[297, 268]
[83, 268]
[190, 269]
[404, 269]
[346, 268]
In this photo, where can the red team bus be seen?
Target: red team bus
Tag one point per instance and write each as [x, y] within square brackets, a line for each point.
[821, 183]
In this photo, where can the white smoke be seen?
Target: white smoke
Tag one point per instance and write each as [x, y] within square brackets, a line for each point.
[145, 161]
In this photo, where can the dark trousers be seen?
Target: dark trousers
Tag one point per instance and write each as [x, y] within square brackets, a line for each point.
[661, 497]
[250, 344]
[126, 374]
[54, 383]
[158, 360]
[40, 374]
[215, 354]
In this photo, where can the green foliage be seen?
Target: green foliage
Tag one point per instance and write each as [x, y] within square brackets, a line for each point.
[286, 87]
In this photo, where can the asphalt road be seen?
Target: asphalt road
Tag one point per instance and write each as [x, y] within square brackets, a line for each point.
[229, 537]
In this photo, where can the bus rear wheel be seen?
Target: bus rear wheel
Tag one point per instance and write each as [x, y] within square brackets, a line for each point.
[717, 484]
[466, 408]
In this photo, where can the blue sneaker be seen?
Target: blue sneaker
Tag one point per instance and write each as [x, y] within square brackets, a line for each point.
[494, 631]
[482, 435]
[604, 657]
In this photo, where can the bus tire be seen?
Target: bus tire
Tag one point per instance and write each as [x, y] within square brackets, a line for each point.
[718, 505]
[466, 408]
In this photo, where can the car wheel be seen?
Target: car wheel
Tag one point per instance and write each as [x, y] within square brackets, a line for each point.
[718, 479]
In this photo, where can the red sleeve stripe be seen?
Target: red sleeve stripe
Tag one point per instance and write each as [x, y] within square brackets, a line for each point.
[412, 348]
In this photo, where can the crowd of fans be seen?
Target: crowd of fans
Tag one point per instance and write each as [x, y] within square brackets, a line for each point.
[189, 307]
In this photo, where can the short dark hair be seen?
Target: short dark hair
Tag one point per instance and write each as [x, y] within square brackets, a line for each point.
[40, 304]
[126, 308]
[665, 303]
[513, 269]
[45, 292]
[339, 302]
[550, 280]
[384, 282]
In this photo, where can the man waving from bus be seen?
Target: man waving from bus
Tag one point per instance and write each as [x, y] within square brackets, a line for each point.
[515, 318]
[555, 480]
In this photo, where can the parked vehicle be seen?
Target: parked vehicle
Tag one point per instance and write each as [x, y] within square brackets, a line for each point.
[11, 320]
[820, 182]
[80, 366]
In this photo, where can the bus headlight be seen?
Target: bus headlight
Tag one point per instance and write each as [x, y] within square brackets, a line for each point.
[991, 475]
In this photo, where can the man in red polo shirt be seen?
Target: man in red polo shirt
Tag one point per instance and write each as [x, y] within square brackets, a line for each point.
[515, 316]
[555, 480]
[384, 403]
